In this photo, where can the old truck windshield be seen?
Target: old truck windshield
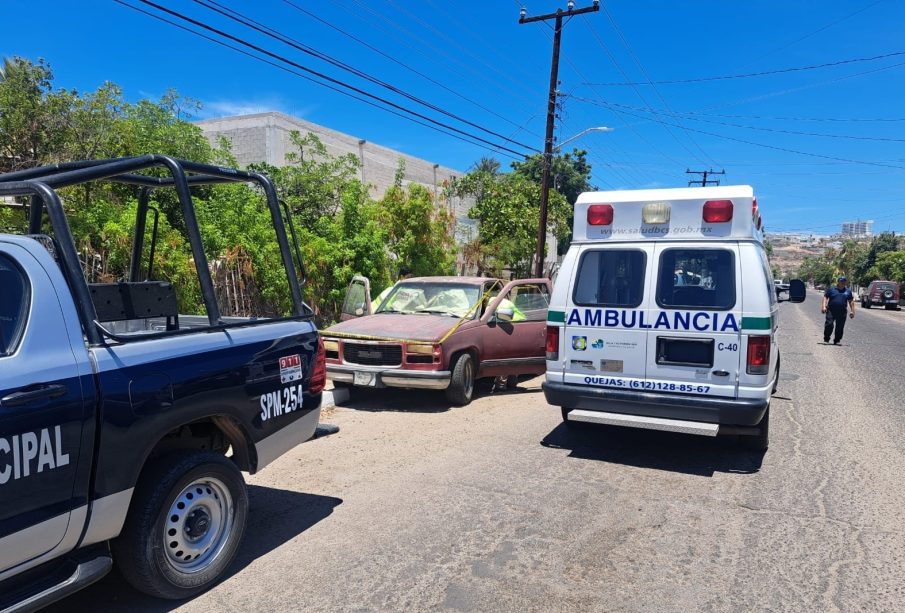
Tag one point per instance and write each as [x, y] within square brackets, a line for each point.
[451, 299]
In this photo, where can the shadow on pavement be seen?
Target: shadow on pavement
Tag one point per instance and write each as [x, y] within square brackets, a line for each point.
[275, 517]
[417, 401]
[684, 453]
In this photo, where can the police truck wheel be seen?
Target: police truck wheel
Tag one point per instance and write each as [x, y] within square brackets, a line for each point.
[759, 441]
[184, 525]
[461, 385]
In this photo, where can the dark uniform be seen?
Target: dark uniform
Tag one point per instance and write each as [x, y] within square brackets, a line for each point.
[836, 311]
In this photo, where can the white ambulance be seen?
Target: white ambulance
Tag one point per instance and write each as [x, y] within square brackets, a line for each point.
[664, 314]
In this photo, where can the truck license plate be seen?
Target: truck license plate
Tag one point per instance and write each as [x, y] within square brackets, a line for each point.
[364, 378]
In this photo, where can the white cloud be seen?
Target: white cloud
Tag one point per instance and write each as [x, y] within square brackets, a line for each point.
[229, 108]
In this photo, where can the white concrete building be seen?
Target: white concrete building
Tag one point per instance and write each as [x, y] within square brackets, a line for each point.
[265, 137]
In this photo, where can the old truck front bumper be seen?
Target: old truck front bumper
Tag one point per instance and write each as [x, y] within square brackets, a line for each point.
[377, 376]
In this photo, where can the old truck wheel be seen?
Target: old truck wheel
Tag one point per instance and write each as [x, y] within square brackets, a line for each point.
[184, 526]
[761, 440]
[461, 384]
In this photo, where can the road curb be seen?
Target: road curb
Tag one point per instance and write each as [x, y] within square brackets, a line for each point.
[334, 397]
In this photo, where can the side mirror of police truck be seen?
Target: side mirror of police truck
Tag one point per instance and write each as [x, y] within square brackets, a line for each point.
[797, 290]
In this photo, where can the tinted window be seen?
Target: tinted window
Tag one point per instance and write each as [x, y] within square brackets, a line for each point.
[613, 278]
[696, 279]
[13, 305]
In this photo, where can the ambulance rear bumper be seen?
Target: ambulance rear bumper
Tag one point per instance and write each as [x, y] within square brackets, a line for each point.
[723, 411]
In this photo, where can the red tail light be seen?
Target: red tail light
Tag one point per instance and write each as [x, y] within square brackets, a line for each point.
[319, 374]
[758, 355]
[553, 342]
[600, 214]
[717, 211]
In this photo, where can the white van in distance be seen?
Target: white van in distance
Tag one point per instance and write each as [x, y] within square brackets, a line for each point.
[664, 314]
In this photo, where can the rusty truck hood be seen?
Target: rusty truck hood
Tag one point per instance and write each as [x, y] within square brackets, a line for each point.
[423, 327]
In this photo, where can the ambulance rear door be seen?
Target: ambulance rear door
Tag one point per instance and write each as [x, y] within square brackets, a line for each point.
[693, 337]
[602, 341]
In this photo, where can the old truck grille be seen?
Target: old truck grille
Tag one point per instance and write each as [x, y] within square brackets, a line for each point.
[372, 355]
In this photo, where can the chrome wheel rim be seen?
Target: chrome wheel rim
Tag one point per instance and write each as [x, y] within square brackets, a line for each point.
[198, 525]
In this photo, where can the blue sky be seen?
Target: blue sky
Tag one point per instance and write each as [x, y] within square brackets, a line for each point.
[473, 60]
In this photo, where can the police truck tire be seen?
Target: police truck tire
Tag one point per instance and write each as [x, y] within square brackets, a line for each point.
[184, 526]
[461, 384]
[761, 440]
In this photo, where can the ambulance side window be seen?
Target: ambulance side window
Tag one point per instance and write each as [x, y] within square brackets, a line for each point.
[14, 298]
[610, 278]
[768, 275]
[696, 279]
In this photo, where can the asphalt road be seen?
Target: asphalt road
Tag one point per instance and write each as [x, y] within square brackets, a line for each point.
[498, 506]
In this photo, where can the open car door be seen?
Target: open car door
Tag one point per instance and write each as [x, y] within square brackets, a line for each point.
[358, 299]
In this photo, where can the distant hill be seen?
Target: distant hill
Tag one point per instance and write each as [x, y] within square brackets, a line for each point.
[790, 251]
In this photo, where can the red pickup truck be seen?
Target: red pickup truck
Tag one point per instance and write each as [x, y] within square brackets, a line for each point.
[440, 333]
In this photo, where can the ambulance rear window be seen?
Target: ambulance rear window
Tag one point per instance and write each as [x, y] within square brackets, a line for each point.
[610, 278]
[696, 279]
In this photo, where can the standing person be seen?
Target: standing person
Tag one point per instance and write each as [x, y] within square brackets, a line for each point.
[835, 302]
[404, 273]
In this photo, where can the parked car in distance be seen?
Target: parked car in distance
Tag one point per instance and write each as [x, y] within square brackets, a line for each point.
[440, 333]
[881, 293]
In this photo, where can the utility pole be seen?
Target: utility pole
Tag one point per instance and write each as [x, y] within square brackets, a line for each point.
[703, 181]
[570, 12]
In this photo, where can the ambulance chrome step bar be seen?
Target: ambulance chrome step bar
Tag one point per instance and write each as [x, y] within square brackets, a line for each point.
[647, 423]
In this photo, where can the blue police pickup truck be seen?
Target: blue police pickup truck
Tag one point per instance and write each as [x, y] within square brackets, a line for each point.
[124, 426]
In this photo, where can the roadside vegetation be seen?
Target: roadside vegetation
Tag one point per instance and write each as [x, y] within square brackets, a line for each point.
[881, 258]
[342, 230]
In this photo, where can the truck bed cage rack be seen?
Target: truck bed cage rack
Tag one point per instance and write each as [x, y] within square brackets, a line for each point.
[41, 183]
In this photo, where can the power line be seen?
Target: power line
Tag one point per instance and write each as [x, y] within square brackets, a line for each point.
[639, 178]
[747, 142]
[307, 78]
[753, 74]
[694, 117]
[321, 75]
[817, 31]
[646, 76]
[637, 92]
[275, 34]
[400, 63]
[408, 35]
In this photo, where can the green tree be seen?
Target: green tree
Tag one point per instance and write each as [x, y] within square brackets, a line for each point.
[418, 231]
[507, 209]
[33, 117]
[313, 183]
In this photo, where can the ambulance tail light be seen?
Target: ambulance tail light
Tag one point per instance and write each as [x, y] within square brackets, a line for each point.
[553, 343]
[655, 213]
[600, 214]
[758, 355]
[717, 211]
[319, 374]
